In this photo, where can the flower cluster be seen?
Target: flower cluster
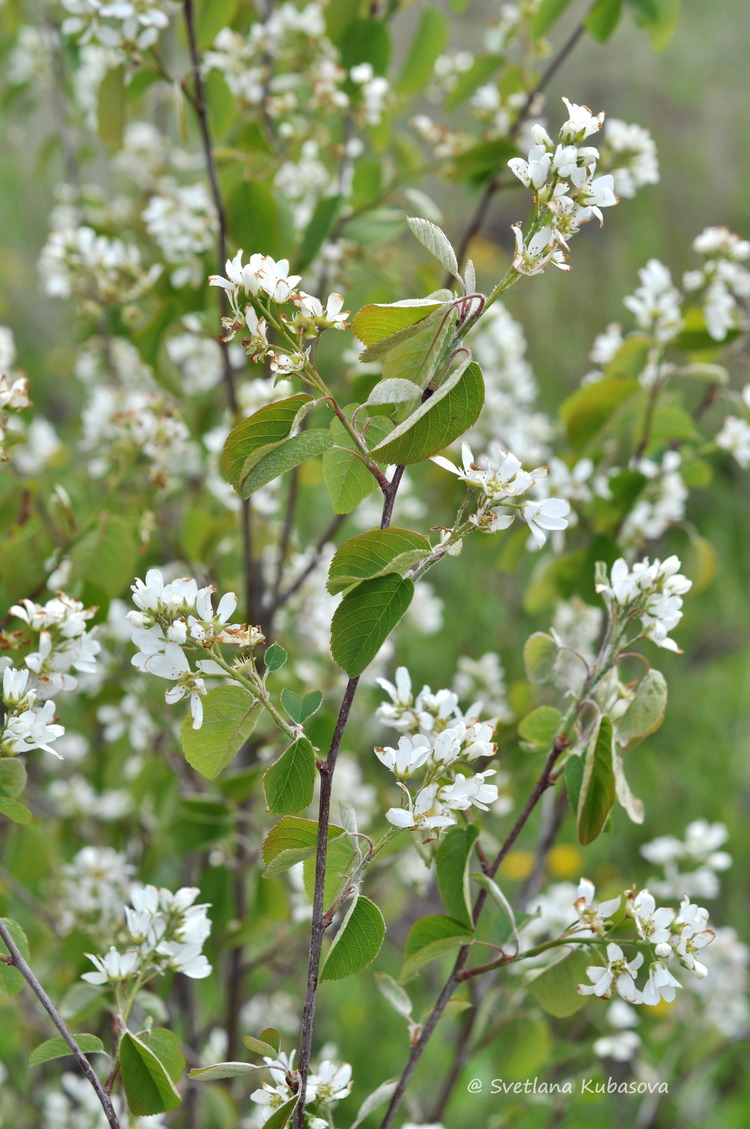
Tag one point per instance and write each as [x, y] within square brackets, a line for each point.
[125, 423]
[264, 280]
[691, 865]
[328, 1084]
[173, 615]
[181, 219]
[629, 152]
[673, 934]
[137, 23]
[64, 644]
[14, 387]
[651, 592]
[166, 933]
[95, 270]
[656, 303]
[567, 191]
[438, 739]
[721, 281]
[25, 725]
[501, 479]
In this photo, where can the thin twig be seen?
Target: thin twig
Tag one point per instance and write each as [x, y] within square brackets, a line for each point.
[19, 963]
[283, 597]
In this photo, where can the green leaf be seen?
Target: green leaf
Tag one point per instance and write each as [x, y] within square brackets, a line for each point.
[376, 553]
[587, 412]
[485, 159]
[11, 980]
[290, 782]
[111, 108]
[480, 72]
[602, 19]
[659, 17]
[274, 657]
[500, 901]
[645, 713]
[12, 777]
[271, 1037]
[17, 813]
[373, 1101]
[347, 479]
[317, 230]
[548, 12]
[260, 1046]
[230, 714]
[598, 792]
[268, 425]
[221, 1070]
[283, 457]
[395, 995]
[539, 656]
[523, 1045]
[379, 320]
[357, 942]
[280, 1117]
[58, 1048]
[301, 706]
[366, 41]
[412, 339]
[541, 726]
[365, 618]
[220, 103]
[291, 841]
[452, 871]
[445, 416]
[148, 1086]
[432, 937]
[107, 555]
[254, 218]
[555, 988]
[166, 1046]
[212, 16]
[430, 40]
[436, 242]
[339, 862]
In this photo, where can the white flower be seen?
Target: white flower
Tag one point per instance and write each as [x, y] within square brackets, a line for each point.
[735, 438]
[581, 122]
[593, 914]
[545, 516]
[417, 814]
[618, 972]
[329, 1083]
[463, 792]
[113, 968]
[543, 248]
[661, 984]
[656, 302]
[653, 924]
[411, 754]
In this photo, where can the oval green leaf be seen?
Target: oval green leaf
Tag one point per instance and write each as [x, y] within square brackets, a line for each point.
[357, 942]
[148, 1086]
[290, 782]
[229, 717]
[452, 870]
[365, 618]
[375, 553]
[268, 425]
[280, 458]
[598, 794]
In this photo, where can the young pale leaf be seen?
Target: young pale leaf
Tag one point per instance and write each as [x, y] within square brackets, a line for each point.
[11, 980]
[392, 991]
[597, 795]
[282, 457]
[540, 727]
[290, 782]
[500, 901]
[452, 870]
[436, 242]
[556, 987]
[57, 1048]
[430, 938]
[267, 426]
[645, 713]
[445, 416]
[470, 277]
[230, 714]
[539, 656]
[375, 553]
[357, 942]
[221, 1070]
[380, 320]
[148, 1086]
[373, 1101]
[633, 806]
[301, 706]
[274, 657]
[430, 40]
[259, 1046]
[365, 618]
[394, 391]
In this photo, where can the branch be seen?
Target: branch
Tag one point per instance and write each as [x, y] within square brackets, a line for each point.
[19, 963]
